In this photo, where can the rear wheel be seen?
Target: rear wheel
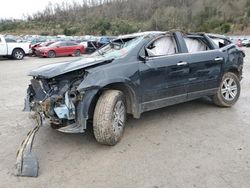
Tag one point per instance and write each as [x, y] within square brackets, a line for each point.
[110, 117]
[77, 53]
[51, 54]
[229, 91]
[18, 54]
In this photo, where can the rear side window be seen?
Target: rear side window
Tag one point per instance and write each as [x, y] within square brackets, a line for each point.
[71, 44]
[195, 45]
[9, 40]
[62, 44]
[220, 42]
[163, 46]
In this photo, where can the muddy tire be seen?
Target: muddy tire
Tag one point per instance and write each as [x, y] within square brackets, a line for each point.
[51, 54]
[110, 117]
[229, 91]
[18, 54]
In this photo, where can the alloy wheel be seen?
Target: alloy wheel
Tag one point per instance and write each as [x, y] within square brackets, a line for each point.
[229, 89]
[18, 55]
[119, 117]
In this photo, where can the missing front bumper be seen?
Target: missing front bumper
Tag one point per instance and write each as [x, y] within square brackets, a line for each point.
[26, 164]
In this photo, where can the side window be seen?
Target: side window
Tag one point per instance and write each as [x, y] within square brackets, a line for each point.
[63, 44]
[221, 42]
[71, 44]
[9, 40]
[195, 45]
[161, 47]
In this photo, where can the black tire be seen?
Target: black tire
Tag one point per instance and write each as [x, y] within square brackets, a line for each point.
[77, 53]
[18, 54]
[51, 54]
[229, 90]
[108, 125]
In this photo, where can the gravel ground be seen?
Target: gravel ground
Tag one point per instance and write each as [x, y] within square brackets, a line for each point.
[194, 144]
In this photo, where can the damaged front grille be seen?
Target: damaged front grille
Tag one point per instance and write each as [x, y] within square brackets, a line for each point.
[52, 99]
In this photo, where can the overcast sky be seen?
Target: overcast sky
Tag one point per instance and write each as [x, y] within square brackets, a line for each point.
[16, 8]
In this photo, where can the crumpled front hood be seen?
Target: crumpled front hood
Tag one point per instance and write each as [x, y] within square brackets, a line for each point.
[53, 70]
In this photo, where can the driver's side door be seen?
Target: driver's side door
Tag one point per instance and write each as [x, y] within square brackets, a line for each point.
[163, 75]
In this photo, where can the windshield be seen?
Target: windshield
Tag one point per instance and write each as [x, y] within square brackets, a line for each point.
[46, 43]
[55, 44]
[118, 48]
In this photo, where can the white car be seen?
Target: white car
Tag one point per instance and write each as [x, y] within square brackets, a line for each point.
[246, 42]
[84, 43]
[13, 49]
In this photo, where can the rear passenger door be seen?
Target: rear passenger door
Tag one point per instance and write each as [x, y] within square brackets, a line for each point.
[205, 66]
[71, 47]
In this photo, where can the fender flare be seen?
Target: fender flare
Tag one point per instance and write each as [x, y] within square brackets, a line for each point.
[93, 90]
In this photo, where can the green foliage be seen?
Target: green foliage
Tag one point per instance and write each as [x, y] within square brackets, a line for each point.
[44, 33]
[123, 27]
[98, 27]
[225, 27]
[248, 8]
[117, 27]
[8, 25]
[69, 31]
[248, 12]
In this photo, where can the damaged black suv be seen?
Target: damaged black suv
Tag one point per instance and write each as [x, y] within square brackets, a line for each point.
[133, 74]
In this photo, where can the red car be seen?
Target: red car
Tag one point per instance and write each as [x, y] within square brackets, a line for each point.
[36, 46]
[239, 43]
[62, 48]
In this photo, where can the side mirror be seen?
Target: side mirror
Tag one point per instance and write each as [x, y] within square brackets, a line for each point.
[58, 46]
[143, 58]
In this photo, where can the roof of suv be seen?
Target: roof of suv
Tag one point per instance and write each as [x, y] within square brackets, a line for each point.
[141, 34]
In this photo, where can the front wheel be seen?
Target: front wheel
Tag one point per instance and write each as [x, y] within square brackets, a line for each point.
[229, 91]
[110, 117]
[51, 54]
[77, 53]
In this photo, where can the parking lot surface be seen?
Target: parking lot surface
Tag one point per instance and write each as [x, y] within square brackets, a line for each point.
[194, 144]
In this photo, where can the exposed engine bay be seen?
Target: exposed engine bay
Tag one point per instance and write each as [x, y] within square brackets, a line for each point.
[56, 98]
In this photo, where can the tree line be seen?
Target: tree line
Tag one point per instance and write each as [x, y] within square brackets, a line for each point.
[114, 17]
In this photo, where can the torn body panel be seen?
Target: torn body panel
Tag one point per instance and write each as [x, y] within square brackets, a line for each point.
[65, 106]
[53, 70]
